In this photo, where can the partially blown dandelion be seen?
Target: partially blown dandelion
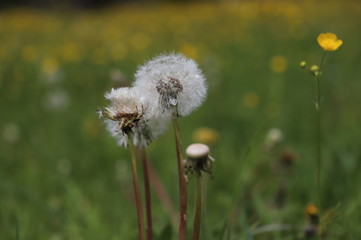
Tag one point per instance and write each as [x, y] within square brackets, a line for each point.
[127, 114]
[124, 119]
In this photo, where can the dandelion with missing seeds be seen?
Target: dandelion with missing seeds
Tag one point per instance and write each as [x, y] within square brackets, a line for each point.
[126, 114]
[126, 121]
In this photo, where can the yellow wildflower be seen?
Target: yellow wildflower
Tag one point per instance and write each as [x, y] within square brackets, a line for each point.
[251, 100]
[205, 135]
[50, 66]
[329, 41]
[278, 64]
[311, 210]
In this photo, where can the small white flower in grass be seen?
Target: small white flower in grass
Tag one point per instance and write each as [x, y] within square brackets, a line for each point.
[171, 82]
[126, 115]
[273, 138]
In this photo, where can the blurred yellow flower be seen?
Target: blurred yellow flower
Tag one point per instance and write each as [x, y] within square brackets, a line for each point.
[119, 51]
[50, 66]
[329, 41]
[205, 135]
[251, 100]
[278, 64]
[311, 210]
[140, 41]
[189, 50]
[69, 52]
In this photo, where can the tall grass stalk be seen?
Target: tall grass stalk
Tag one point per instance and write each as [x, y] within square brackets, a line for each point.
[138, 201]
[182, 234]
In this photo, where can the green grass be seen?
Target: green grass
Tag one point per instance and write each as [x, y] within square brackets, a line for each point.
[63, 177]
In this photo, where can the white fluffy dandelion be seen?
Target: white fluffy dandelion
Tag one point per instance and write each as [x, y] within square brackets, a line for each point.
[126, 115]
[171, 82]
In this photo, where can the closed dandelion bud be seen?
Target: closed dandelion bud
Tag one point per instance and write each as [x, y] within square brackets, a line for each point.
[172, 84]
[303, 64]
[198, 159]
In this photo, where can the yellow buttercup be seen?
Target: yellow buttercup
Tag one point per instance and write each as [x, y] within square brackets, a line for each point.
[329, 41]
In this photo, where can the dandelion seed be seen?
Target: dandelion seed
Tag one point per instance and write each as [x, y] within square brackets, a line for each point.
[171, 82]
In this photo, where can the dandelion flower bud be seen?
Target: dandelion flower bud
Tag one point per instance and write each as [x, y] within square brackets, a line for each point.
[171, 82]
[198, 159]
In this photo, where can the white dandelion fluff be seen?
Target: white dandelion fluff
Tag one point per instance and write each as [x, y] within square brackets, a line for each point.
[126, 115]
[171, 82]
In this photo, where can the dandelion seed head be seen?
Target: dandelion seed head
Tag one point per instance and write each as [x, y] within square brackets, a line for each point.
[170, 81]
[127, 114]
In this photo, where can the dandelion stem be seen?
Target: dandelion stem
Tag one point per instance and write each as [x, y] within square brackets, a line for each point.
[198, 209]
[182, 234]
[138, 201]
[148, 209]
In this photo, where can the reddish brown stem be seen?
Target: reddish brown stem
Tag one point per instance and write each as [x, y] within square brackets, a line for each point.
[182, 234]
[198, 210]
[138, 201]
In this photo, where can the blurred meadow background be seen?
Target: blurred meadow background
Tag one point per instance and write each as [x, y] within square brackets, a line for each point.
[62, 176]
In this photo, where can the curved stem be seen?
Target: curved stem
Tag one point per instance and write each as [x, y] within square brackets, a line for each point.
[198, 210]
[148, 204]
[182, 234]
[138, 201]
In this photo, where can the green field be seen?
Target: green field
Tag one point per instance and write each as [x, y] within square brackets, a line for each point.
[62, 176]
